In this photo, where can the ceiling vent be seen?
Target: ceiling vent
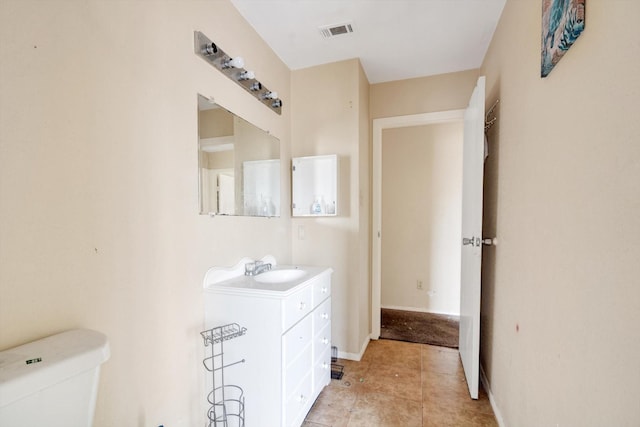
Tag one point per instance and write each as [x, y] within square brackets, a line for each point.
[329, 31]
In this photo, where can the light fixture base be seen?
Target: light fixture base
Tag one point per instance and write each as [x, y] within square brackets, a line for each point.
[214, 55]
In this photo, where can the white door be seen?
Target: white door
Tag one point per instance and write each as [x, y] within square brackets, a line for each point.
[472, 176]
[226, 194]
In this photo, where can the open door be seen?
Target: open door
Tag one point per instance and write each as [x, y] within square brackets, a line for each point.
[472, 177]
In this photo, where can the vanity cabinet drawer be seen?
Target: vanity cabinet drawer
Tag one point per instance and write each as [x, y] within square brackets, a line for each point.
[296, 306]
[321, 290]
[322, 315]
[322, 372]
[296, 339]
[322, 342]
[297, 369]
[298, 402]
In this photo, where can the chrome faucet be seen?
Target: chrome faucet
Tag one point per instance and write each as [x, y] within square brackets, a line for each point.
[256, 267]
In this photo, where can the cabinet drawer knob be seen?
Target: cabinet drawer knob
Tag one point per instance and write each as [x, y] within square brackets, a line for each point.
[324, 289]
[325, 365]
[302, 305]
[302, 398]
[325, 341]
[325, 315]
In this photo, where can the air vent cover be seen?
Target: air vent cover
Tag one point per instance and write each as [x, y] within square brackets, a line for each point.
[329, 31]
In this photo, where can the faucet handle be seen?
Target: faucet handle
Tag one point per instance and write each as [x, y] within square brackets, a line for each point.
[249, 268]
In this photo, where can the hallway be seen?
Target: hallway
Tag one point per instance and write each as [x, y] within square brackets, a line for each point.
[401, 384]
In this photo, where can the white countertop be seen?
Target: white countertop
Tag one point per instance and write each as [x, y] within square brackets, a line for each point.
[233, 280]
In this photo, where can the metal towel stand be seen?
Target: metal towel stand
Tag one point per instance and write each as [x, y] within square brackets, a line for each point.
[226, 401]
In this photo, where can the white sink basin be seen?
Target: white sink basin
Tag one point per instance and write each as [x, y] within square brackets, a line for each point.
[279, 276]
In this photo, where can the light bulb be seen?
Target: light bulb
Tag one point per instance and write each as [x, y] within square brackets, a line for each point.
[247, 75]
[236, 62]
[256, 86]
[270, 95]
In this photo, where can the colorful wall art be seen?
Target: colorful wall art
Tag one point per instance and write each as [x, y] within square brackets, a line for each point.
[562, 24]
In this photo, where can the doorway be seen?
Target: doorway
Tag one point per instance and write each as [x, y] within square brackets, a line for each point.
[471, 244]
[412, 284]
[421, 217]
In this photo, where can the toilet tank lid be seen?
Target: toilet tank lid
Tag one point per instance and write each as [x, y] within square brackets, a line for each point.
[37, 365]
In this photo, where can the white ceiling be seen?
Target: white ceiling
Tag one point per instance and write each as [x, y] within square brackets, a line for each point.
[394, 39]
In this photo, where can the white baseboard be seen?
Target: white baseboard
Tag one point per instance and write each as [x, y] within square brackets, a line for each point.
[419, 309]
[494, 406]
[354, 356]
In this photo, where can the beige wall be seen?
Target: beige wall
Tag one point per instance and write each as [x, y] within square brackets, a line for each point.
[214, 123]
[561, 296]
[99, 224]
[219, 160]
[422, 95]
[421, 217]
[328, 110]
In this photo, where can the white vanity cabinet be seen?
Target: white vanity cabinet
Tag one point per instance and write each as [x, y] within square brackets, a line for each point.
[287, 346]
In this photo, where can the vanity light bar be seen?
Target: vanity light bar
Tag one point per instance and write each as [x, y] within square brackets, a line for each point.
[232, 67]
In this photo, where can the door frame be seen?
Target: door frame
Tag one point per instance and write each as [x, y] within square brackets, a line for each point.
[376, 224]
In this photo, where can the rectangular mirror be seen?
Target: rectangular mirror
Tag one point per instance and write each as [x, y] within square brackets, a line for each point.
[239, 164]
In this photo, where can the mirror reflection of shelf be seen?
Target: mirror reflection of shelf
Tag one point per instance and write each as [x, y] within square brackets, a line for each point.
[315, 185]
[261, 187]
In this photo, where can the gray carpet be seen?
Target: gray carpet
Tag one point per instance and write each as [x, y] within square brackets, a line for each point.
[418, 327]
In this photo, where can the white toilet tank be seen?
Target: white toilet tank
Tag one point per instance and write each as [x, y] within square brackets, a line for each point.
[52, 382]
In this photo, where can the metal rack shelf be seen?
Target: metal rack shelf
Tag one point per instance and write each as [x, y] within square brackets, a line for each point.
[222, 333]
[226, 401]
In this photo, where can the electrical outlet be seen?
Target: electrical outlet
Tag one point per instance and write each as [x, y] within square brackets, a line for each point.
[419, 284]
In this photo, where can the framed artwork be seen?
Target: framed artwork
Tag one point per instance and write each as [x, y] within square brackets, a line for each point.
[562, 24]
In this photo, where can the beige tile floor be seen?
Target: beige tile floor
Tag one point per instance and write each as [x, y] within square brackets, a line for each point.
[399, 384]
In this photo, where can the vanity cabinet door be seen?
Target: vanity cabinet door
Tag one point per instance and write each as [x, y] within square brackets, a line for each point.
[322, 372]
[296, 306]
[294, 341]
[321, 290]
[322, 316]
[322, 346]
[298, 403]
[296, 372]
[321, 342]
